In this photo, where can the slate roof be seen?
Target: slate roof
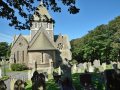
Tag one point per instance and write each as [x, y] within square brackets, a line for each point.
[41, 41]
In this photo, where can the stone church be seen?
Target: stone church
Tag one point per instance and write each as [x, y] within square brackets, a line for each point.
[41, 49]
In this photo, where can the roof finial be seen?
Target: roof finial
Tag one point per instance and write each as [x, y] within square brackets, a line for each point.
[41, 3]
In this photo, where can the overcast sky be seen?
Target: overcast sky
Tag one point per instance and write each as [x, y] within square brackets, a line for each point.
[92, 13]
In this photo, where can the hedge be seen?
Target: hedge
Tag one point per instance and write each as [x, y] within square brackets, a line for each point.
[18, 67]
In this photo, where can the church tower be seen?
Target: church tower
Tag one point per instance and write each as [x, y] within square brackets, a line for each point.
[42, 18]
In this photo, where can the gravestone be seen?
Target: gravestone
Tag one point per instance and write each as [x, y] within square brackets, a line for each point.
[0, 73]
[80, 68]
[46, 76]
[113, 63]
[20, 85]
[86, 81]
[91, 69]
[2, 85]
[104, 66]
[112, 79]
[12, 82]
[56, 77]
[67, 84]
[74, 68]
[38, 81]
[118, 65]
[59, 71]
[96, 63]
[29, 74]
[85, 65]
[66, 69]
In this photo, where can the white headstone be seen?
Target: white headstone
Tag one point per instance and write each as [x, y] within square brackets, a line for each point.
[96, 63]
[85, 65]
[91, 69]
[104, 66]
[59, 71]
[118, 65]
[74, 68]
[12, 82]
[80, 68]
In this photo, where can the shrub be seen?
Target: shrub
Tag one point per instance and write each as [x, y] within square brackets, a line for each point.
[18, 67]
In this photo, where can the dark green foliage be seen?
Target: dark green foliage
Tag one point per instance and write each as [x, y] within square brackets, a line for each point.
[18, 67]
[102, 43]
[4, 49]
[25, 9]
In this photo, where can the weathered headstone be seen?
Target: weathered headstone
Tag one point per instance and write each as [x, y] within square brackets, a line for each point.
[85, 65]
[112, 79]
[0, 73]
[91, 69]
[67, 84]
[56, 77]
[74, 68]
[2, 85]
[80, 68]
[38, 81]
[86, 81]
[59, 71]
[104, 66]
[12, 82]
[96, 63]
[19, 85]
[118, 65]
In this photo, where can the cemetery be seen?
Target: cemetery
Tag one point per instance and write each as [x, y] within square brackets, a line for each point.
[83, 76]
[44, 60]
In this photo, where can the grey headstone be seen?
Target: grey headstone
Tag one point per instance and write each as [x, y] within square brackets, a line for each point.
[96, 63]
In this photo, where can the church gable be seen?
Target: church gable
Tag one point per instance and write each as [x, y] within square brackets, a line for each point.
[20, 41]
[19, 50]
[41, 41]
[62, 42]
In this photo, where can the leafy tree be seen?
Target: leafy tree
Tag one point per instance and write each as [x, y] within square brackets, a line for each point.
[102, 43]
[25, 8]
[4, 49]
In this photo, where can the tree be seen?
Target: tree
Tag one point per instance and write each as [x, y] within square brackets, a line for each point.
[102, 43]
[4, 49]
[25, 9]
